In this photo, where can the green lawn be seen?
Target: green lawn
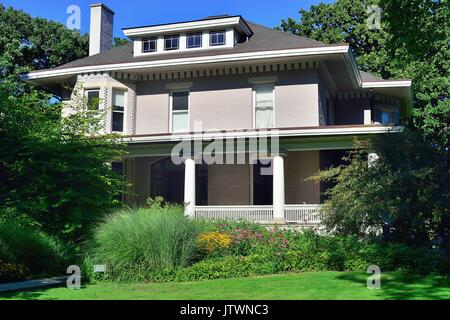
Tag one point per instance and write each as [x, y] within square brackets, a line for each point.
[311, 285]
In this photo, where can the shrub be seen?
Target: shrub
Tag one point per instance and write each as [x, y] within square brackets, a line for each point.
[139, 243]
[11, 272]
[40, 253]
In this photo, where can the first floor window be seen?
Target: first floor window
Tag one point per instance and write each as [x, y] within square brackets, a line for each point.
[93, 99]
[118, 110]
[149, 45]
[171, 42]
[180, 111]
[264, 103]
[217, 38]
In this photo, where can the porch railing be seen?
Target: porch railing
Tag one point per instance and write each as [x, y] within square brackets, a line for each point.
[304, 214]
[301, 214]
[248, 213]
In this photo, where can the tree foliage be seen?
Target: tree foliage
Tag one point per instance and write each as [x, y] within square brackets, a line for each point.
[53, 170]
[345, 21]
[404, 195]
[28, 43]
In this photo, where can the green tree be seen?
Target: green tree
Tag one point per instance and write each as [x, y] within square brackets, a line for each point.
[28, 43]
[419, 48]
[54, 174]
[404, 195]
[119, 42]
[345, 21]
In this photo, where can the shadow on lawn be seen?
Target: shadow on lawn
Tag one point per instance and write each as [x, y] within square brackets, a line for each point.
[404, 286]
[22, 295]
[34, 294]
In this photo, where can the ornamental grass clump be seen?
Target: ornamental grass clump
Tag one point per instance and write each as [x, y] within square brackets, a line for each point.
[137, 244]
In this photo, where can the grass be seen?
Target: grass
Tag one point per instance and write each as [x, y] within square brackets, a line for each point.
[303, 286]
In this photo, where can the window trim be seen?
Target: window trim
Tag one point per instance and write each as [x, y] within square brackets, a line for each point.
[86, 93]
[125, 109]
[255, 86]
[172, 37]
[194, 34]
[171, 111]
[218, 44]
[155, 39]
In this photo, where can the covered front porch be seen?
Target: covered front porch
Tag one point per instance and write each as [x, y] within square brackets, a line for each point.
[273, 190]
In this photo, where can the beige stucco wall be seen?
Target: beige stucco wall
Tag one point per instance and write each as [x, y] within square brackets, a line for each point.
[298, 166]
[296, 99]
[226, 102]
[228, 184]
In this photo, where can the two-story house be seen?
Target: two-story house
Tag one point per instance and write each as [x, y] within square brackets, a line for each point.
[227, 81]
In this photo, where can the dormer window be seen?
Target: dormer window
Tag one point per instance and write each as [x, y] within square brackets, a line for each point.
[217, 38]
[149, 45]
[194, 40]
[171, 42]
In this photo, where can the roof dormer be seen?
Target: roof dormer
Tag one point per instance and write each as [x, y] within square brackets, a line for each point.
[216, 32]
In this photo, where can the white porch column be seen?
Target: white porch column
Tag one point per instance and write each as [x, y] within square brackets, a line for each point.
[189, 186]
[278, 188]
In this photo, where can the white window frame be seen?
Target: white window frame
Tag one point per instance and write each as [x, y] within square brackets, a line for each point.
[172, 37]
[86, 92]
[218, 44]
[255, 86]
[194, 34]
[155, 39]
[125, 110]
[178, 111]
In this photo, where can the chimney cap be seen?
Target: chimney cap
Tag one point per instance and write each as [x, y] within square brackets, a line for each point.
[103, 6]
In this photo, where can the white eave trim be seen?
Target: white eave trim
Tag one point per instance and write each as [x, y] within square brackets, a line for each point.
[235, 57]
[268, 133]
[188, 26]
[387, 84]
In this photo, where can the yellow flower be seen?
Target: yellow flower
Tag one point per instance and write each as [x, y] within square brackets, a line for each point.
[212, 241]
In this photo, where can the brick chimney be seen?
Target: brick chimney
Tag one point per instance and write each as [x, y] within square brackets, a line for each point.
[101, 30]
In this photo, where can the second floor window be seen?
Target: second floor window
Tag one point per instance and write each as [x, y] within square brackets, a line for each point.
[93, 99]
[217, 38]
[171, 42]
[180, 111]
[118, 110]
[194, 40]
[149, 45]
[264, 106]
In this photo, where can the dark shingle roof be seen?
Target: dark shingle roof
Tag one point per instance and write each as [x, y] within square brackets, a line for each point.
[263, 39]
[365, 76]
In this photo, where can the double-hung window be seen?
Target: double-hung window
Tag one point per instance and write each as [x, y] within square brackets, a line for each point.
[180, 111]
[171, 42]
[264, 106]
[118, 110]
[149, 45]
[217, 38]
[93, 99]
[194, 40]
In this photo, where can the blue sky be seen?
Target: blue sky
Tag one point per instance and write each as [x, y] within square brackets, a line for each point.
[132, 13]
